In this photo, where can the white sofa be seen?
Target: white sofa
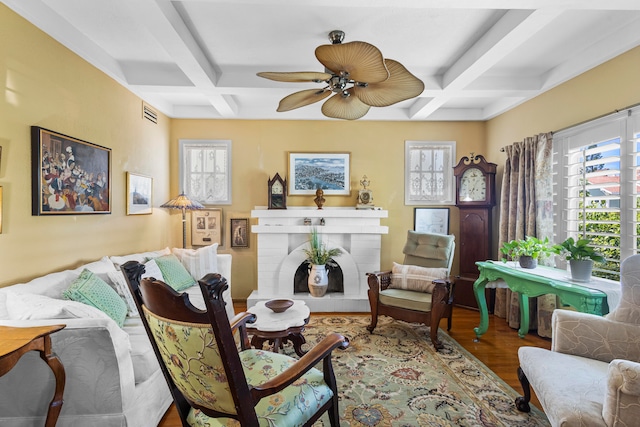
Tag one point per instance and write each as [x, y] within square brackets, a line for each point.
[112, 375]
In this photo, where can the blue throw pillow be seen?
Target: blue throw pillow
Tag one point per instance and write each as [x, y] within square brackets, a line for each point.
[174, 273]
[92, 290]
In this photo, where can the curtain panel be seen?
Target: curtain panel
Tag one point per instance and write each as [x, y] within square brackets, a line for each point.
[526, 209]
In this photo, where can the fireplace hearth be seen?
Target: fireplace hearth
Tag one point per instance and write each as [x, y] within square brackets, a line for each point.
[282, 235]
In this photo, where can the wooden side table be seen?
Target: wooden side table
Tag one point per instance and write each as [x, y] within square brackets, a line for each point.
[278, 328]
[14, 342]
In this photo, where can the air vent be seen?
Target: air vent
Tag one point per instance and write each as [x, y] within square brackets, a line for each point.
[149, 114]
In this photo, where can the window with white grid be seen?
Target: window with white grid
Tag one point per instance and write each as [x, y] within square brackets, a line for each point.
[428, 172]
[205, 170]
[596, 183]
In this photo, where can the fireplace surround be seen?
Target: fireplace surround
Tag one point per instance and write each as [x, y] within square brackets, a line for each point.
[282, 235]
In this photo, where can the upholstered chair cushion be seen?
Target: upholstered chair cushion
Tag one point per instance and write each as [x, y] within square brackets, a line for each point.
[415, 278]
[195, 365]
[628, 311]
[623, 391]
[174, 273]
[88, 288]
[428, 250]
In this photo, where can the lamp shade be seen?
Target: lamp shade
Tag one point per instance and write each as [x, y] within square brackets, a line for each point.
[182, 202]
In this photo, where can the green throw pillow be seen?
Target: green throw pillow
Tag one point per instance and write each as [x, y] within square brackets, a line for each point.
[174, 273]
[92, 290]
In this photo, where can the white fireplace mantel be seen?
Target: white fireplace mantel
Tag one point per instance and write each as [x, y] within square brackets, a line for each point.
[282, 234]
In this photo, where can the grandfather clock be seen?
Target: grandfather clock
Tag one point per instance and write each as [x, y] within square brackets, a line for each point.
[475, 199]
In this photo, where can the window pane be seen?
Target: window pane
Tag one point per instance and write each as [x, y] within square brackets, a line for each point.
[206, 170]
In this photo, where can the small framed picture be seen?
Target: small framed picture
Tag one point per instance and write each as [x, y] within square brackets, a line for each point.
[139, 194]
[431, 220]
[239, 232]
[206, 227]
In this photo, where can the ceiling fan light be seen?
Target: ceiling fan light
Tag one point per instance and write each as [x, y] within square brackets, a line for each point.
[400, 86]
[363, 61]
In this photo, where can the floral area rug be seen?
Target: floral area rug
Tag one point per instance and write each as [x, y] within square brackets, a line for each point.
[394, 377]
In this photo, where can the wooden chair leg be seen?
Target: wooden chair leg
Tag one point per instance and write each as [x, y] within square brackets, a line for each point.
[334, 413]
[373, 304]
[522, 402]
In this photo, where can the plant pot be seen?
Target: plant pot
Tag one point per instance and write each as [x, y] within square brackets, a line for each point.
[528, 262]
[581, 269]
[318, 280]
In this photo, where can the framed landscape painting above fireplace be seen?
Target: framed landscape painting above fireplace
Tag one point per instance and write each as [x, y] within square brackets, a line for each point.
[309, 172]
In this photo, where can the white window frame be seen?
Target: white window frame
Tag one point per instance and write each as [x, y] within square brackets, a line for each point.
[624, 126]
[222, 148]
[444, 171]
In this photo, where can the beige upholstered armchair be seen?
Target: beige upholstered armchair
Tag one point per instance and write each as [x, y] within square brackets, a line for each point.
[420, 290]
[591, 375]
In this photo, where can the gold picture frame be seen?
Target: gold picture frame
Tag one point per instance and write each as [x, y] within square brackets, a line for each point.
[206, 227]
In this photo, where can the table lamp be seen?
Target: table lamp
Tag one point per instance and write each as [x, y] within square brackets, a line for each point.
[184, 203]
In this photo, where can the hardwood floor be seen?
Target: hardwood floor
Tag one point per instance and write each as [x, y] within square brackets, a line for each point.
[498, 349]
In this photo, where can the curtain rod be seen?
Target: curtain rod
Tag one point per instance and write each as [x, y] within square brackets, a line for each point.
[589, 120]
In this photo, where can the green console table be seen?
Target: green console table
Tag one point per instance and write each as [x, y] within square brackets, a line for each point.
[586, 297]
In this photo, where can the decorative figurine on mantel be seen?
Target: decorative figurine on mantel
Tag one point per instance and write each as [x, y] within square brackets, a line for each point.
[365, 196]
[319, 198]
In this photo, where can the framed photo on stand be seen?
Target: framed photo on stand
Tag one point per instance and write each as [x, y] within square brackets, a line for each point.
[206, 227]
[239, 232]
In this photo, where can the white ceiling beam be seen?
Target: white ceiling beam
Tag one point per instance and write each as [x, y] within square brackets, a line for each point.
[511, 31]
[458, 4]
[164, 23]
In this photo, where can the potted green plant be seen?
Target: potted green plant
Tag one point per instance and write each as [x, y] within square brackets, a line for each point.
[527, 251]
[319, 257]
[581, 256]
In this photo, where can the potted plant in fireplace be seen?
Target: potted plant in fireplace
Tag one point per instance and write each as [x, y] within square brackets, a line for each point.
[581, 256]
[319, 257]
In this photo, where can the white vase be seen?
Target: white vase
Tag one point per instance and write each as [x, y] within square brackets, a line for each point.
[581, 269]
[318, 280]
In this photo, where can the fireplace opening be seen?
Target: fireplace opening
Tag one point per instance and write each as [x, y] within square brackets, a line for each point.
[301, 277]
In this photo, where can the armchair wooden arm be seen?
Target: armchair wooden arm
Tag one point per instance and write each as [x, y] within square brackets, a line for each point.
[239, 324]
[321, 351]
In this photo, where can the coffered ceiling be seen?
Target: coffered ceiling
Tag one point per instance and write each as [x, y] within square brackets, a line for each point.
[199, 58]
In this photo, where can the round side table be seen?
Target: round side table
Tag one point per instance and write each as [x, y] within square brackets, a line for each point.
[278, 328]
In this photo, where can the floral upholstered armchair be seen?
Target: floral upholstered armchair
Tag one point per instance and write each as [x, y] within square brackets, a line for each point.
[214, 383]
[591, 375]
[419, 290]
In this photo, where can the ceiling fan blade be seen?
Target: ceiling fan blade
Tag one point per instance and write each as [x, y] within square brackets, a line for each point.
[400, 86]
[296, 76]
[341, 107]
[363, 61]
[302, 98]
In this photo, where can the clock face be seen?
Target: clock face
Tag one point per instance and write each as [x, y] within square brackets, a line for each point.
[473, 186]
[277, 188]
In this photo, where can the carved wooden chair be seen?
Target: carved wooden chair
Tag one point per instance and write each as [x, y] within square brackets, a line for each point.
[590, 375]
[421, 289]
[216, 384]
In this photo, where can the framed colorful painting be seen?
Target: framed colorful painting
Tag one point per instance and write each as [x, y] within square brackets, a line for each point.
[309, 172]
[69, 176]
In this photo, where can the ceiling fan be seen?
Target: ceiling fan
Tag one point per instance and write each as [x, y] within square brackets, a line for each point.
[358, 76]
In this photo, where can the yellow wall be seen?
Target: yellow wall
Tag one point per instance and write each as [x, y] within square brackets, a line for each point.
[46, 85]
[377, 150]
